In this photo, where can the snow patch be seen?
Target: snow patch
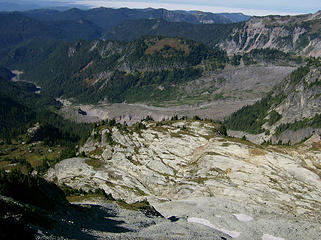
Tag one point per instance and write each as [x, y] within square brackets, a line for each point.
[207, 223]
[243, 218]
[270, 237]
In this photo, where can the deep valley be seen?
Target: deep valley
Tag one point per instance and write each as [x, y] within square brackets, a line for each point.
[159, 124]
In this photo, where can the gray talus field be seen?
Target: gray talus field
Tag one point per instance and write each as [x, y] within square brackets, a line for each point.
[214, 96]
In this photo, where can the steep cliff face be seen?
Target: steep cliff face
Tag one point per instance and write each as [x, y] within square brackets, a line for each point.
[300, 110]
[291, 112]
[299, 34]
[303, 99]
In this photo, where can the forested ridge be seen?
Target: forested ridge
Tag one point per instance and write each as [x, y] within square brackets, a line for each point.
[74, 24]
[21, 108]
[113, 71]
[209, 34]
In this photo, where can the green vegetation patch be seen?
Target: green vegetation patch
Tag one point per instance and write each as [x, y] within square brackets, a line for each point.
[251, 118]
[274, 117]
[96, 152]
[241, 141]
[298, 74]
[29, 157]
[313, 122]
[143, 206]
[167, 44]
[95, 163]
[316, 146]
[268, 55]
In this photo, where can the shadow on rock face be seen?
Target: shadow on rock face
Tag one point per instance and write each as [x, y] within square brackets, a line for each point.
[173, 219]
[93, 217]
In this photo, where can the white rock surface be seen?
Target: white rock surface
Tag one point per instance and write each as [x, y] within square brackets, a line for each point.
[243, 217]
[205, 222]
[270, 237]
[255, 190]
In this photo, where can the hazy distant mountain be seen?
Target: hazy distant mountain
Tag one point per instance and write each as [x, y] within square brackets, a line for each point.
[23, 5]
[300, 34]
[16, 28]
[90, 24]
[210, 34]
[106, 18]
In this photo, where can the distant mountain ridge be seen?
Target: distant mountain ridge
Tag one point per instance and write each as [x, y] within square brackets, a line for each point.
[74, 24]
[16, 28]
[23, 5]
[210, 34]
[299, 34]
[106, 18]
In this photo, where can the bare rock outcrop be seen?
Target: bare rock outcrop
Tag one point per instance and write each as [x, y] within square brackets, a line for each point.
[286, 33]
[185, 163]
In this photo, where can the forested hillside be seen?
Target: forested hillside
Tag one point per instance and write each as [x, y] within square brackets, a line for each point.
[76, 24]
[210, 34]
[106, 18]
[16, 28]
[21, 108]
[144, 69]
